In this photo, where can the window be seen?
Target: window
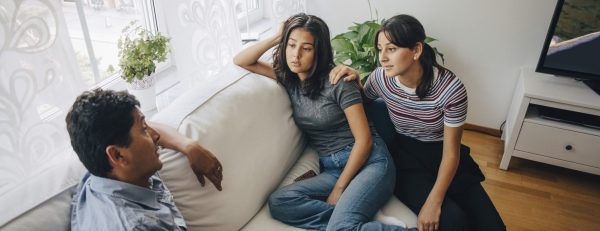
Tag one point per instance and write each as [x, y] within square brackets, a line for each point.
[94, 28]
[249, 13]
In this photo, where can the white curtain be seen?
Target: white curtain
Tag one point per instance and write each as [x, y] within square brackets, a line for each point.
[38, 82]
[204, 37]
[205, 34]
[282, 9]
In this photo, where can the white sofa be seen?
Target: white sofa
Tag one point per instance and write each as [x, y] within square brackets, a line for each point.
[246, 121]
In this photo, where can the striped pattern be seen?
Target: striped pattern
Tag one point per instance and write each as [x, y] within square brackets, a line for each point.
[445, 104]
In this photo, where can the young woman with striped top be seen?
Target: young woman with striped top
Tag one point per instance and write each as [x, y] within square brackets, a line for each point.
[427, 104]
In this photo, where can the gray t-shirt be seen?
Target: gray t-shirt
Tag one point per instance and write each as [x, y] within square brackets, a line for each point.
[323, 118]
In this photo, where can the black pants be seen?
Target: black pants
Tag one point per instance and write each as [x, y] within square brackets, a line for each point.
[470, 209]
[466, 205]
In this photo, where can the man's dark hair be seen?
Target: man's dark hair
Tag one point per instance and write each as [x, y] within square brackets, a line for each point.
[323, 59]
[97, 119]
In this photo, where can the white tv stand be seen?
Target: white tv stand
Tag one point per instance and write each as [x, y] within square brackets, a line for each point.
[563, 144]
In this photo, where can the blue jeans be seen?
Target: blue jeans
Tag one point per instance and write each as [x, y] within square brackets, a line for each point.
[303, 203]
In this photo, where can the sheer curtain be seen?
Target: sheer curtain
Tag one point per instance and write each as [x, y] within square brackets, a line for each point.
[38, 82]
[205, 37]
[282, 9]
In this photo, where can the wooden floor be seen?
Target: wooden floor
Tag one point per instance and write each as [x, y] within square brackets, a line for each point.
[536, 196]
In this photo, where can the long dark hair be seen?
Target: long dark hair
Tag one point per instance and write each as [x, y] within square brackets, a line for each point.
[323, 59]
[406, 31]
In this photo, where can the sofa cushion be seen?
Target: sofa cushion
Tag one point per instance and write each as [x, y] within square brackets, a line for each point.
[309, 160]
[248, 125]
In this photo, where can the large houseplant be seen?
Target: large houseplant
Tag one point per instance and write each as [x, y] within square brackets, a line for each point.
[139, 52]
[356, 48]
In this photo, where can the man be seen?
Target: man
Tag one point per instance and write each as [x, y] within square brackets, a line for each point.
[121, 190]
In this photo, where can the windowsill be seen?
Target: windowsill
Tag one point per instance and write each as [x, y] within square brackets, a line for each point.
[265, 27]
[115, 82]
[167, 82]
[262, 28]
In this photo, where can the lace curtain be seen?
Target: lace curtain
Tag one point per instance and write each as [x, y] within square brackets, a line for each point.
[208, 36]
[38, 82]
[282, 9]
[205, 37]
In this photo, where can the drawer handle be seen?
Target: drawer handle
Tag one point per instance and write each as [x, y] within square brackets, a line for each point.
[569, 147]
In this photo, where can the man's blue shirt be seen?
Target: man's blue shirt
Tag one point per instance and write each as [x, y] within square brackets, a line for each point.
[107, 204]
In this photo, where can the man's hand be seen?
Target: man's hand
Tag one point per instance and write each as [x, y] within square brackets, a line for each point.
[205, 164]
[202, 161]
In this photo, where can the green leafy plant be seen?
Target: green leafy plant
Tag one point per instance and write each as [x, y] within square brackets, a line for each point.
[356, 49]
[139, 51]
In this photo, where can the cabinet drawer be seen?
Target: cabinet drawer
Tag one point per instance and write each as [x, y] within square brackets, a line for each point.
[555, 142]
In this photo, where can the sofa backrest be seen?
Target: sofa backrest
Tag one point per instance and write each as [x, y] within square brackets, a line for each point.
[248, 125]
[53, 214]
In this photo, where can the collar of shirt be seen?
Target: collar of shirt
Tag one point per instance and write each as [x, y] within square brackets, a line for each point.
[134, 193]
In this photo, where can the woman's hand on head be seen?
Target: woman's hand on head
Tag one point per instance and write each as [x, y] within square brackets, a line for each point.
[278, 34]
[280, 29]
[342, 71]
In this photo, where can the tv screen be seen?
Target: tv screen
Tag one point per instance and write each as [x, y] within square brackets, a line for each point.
[572, 46]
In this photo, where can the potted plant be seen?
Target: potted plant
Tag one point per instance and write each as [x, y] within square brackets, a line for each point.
[139, 52]
[356, 49]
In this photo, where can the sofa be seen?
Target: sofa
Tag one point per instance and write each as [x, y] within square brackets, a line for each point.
[246, 121]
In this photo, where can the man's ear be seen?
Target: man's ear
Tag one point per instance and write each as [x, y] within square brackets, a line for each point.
[115, 157]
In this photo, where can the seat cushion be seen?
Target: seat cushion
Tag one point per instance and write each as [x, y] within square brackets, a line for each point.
[262, 221]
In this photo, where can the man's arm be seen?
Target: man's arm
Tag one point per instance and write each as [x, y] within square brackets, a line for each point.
[202, 161]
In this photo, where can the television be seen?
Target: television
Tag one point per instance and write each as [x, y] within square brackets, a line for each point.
[572, 45]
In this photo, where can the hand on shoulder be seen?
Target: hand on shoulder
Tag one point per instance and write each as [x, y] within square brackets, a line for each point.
[342, 71]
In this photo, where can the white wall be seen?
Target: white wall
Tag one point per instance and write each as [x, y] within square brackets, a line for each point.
[485, 42]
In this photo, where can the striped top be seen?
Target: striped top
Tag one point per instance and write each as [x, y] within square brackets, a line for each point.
[422, 119]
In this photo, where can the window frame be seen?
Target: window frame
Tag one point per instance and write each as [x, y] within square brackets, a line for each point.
[153, 19]
[253, 16]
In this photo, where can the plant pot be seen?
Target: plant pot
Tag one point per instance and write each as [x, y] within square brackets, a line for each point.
[144, 91]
